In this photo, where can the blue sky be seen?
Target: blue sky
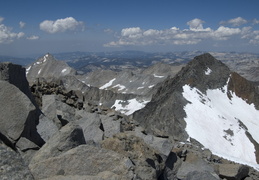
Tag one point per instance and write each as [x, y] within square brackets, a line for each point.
[35, 27]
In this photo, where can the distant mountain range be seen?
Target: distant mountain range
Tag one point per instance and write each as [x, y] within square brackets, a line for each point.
[246, 64]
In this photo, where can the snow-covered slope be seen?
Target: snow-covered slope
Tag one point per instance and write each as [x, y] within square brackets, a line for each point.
[221, 124]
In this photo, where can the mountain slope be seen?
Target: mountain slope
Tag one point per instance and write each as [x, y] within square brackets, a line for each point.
[207, 102]
[139, 81]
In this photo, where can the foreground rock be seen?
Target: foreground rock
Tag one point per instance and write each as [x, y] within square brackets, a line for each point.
[19, 112]
[84, 160]
[12, 165]
[69, 137]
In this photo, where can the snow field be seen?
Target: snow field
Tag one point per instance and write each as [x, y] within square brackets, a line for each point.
[220, 124]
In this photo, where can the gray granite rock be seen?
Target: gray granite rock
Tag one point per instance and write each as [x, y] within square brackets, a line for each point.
[12, 165]
[92, 127]
[83, 160]
[233, 171]
[46, 128]
[18, 115]
[70, 136]
[110, 126]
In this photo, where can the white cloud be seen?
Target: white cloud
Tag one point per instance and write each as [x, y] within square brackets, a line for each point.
[33, 37]
[22, 24]
[151, 32]
[7, 36]
[135, 36]
[195, 24]
[235, 22]
[1, 19]
[224, 33]
[131, 32]
[61, 25]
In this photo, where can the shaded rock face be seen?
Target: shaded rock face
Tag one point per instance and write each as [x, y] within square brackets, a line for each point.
[164, 114]
[15, 74]
[19, 116]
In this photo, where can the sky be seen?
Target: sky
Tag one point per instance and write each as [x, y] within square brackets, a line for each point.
[31, 27]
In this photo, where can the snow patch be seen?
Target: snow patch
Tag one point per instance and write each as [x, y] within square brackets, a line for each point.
[130, 106]
[140, 87]
[151, 86]
[121, 87]
[64, 70]
[208, 71]
[45, 58]
[220, 124]
[158, 76]
[107, 84]
[28, 69]
[39, 71]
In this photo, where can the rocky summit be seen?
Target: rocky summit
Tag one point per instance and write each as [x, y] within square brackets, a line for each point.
[197, 122]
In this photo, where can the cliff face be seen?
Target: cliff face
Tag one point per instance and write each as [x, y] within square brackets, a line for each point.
[244, 89]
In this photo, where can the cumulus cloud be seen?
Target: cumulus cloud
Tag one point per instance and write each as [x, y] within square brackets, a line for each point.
[61, 25]
[235, 22]
[194, 35]
[22, 24]
[224, 33]
[6, 34]
[33, 37]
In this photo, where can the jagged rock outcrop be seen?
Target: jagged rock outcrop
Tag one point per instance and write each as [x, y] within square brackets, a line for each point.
[15, 74]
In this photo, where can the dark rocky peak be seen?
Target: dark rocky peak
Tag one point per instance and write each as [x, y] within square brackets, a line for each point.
[205, 72]
[164, 114]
